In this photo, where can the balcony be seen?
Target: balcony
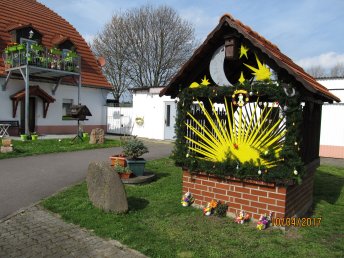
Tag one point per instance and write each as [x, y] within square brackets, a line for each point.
[37, 56]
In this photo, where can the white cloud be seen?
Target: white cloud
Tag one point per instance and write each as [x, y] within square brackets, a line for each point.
[88, 38]
[326, 60]
[203, 22]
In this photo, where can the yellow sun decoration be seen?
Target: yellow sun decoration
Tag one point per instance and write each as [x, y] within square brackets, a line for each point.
[250, 133]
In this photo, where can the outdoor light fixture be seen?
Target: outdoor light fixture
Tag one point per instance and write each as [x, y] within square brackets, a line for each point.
[31, 34]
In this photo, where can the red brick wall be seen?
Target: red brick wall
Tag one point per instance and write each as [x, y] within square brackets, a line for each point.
[254, 197]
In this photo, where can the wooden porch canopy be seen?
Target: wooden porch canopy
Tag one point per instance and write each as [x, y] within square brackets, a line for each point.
[33, 91]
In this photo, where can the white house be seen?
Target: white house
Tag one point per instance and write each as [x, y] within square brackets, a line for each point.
[46, 67]
[150, 116]
[332, 123]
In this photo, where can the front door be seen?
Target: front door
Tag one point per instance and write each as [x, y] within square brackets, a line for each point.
[170, 119]
[32, 115]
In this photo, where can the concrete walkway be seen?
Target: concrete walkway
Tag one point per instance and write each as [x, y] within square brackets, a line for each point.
[35, 232]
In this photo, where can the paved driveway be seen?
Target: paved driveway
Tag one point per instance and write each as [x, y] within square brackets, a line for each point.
[26, 180]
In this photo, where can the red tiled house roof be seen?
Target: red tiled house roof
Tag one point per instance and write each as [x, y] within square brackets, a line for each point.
[272, 56]
[54, 30]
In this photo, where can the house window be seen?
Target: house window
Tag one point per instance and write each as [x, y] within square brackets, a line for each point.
[168, 115]
[66, 106]
[66, 45]
[27, 42]
[28, 33]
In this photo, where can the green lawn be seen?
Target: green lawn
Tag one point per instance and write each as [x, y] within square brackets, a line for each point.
[28, 148]
[158, 226]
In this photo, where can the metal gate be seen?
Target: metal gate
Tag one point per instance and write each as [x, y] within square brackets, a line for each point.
[120, 120]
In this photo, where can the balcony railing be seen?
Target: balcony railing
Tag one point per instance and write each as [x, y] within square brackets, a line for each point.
[39, 56]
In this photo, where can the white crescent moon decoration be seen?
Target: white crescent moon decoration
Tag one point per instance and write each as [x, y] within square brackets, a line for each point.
[288, 90]
[216, 70]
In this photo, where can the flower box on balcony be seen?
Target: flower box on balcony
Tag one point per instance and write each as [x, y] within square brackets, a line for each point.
[21, 47]
[37, 47]
[55, 51]
[12, 48]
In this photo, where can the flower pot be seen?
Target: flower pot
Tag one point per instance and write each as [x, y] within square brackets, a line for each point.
[137, 166]
[12, 49]
[34, 137]
[118, 159]
[125, 175]
[20, 47]
[23, 137]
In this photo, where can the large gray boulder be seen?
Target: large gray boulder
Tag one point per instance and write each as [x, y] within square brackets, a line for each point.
[105, 188]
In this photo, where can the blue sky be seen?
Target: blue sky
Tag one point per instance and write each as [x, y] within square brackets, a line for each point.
[311, 32]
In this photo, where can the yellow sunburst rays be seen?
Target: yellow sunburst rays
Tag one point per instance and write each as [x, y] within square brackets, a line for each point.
[250, 133]
[262, 72]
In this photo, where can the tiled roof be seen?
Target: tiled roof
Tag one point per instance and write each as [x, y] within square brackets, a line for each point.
[271, 50]
[54, 29]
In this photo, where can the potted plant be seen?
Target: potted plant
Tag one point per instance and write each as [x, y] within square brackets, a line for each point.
[120, 159]
[21, 47]
[126, 173]
[34, 136]
[23, 137]
[123, 172]
[133, 149]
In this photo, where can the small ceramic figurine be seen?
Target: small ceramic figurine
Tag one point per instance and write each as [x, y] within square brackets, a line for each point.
[264, 221]
[207, 210]
[242, 217]
[187, 199]
[211, 206]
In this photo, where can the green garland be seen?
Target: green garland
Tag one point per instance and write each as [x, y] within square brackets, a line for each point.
[283, 173]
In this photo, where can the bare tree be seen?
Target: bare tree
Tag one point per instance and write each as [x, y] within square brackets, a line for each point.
[317, 71]
[144, 47]
[337, 70]
[111, 44]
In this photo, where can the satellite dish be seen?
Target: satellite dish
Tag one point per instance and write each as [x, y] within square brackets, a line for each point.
[101, 61]
[216, 68]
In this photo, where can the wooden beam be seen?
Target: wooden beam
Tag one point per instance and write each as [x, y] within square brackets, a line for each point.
[45, 108]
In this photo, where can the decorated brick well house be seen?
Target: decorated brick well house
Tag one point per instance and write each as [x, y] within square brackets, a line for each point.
[248, 124]
[46, 67]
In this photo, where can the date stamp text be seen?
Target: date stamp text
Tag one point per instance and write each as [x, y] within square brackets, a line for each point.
[296, 222]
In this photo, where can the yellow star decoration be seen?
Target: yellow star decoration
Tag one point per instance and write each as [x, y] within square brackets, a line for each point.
[242, 78]
[194, 85]
[205, 81]
[262, 72]
[243, 51]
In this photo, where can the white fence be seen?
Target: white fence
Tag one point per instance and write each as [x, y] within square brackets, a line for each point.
[120, 120]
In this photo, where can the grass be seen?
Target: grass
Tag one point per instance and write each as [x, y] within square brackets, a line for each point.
[158, 226]
[28, 148]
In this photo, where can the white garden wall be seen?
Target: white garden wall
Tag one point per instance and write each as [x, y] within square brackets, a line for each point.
[332, 122]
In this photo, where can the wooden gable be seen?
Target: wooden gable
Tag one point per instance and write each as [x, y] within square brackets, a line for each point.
[232, 35]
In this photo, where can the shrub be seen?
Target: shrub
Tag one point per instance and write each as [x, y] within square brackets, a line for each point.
[134, 148]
